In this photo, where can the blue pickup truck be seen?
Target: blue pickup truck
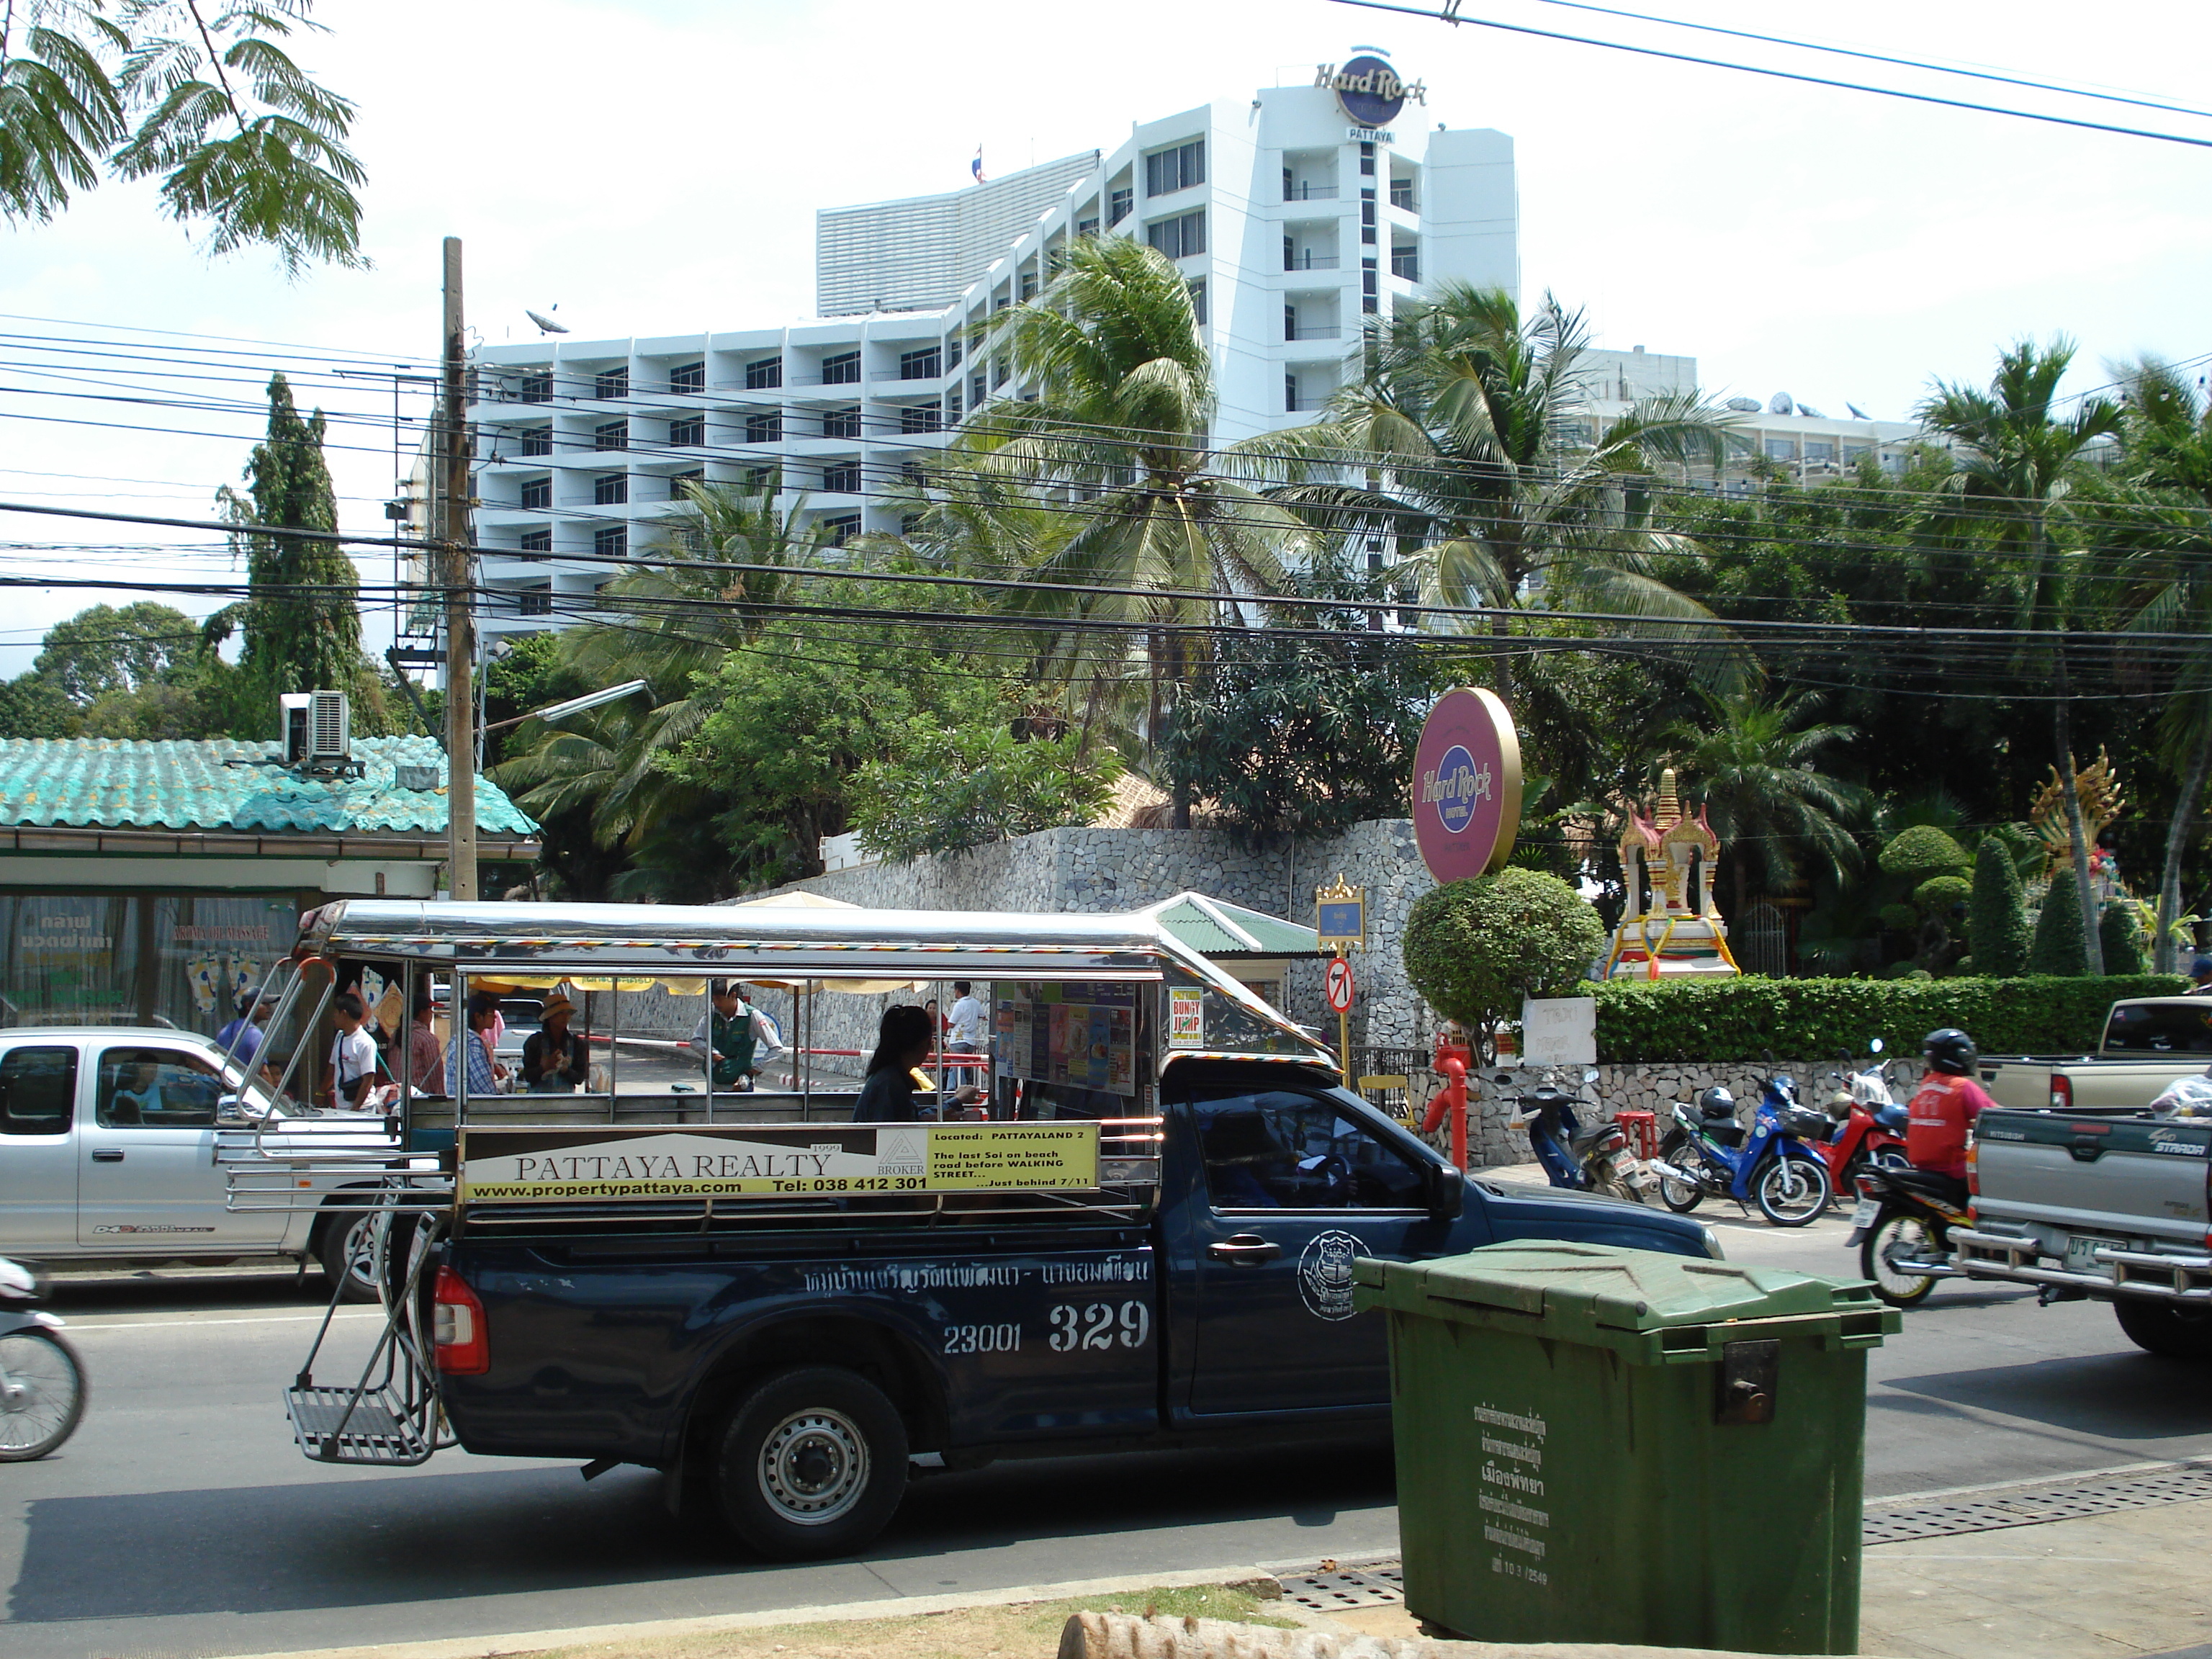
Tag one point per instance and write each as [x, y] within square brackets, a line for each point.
[1146, 1245]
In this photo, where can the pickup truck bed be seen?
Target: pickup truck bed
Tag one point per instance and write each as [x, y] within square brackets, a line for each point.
[2149, 1042]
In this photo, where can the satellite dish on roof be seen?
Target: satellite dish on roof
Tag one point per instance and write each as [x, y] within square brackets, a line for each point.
[1779, 404]
[1742, 405]
[1857, 414]
[545, 324]
[1807, 409]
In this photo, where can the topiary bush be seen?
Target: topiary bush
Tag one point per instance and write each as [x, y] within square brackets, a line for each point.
[1899, 918]
[2059, 945]
[1922, 851]
[1725, 1020]
[1996, 912]
[2120, 930]
[1939, 895]
[1476, 949]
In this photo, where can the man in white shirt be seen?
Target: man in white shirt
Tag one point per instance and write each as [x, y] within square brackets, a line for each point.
[968, 1020]
[353, 1055]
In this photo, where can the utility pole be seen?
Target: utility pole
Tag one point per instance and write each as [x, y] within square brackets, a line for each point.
[453, 528]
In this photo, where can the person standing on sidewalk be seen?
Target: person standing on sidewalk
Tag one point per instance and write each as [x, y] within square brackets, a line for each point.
[968, 1019]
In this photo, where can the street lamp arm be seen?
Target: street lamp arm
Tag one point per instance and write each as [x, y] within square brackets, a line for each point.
[554, 711]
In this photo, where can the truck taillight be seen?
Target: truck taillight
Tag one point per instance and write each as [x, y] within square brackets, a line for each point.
[457, 1331]
[1974, 1168]
[2062, 1094]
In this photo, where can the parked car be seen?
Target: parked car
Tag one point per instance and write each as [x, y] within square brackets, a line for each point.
[2149, 1042]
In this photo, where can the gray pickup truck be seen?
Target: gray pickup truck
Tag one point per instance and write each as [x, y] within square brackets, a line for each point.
[2116, 1208]
[2149, 1042]
[107, 1154]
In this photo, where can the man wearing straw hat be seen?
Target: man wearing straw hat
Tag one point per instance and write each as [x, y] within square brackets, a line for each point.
[553, 1057]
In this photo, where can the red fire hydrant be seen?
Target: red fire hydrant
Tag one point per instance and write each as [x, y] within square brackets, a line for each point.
[1452, 1062]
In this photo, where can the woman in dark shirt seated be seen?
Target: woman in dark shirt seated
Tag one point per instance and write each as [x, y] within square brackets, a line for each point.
[903, 1043]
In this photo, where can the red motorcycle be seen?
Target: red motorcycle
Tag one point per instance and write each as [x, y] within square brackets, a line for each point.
[1871, 1129]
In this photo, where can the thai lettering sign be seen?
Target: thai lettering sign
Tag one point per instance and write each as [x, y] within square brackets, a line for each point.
[1466, 785]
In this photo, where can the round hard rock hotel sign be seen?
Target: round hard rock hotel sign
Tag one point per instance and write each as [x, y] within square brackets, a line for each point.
[1466, 785]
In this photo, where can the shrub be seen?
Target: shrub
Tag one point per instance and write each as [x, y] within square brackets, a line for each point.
[1939, 895]
[1728, 1020]
[1922, 851]
[2059, 946]
[2029, 855]
[2120, 930]
[1475, 949]
[1899, 918]
[1996, 913]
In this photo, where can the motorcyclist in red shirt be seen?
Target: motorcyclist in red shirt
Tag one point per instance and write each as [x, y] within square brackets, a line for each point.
[1945, 1107]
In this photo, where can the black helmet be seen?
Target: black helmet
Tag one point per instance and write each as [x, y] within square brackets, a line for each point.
[1717, 1103]
[1950, 1051]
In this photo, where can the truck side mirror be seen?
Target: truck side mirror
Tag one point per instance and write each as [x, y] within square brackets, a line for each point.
[1447, 1192]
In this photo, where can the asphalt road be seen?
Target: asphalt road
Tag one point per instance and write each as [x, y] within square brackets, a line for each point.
[180, 1521]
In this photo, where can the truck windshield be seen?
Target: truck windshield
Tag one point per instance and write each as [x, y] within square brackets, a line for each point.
[2160, 1027]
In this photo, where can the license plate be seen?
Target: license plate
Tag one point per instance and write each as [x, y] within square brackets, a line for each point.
[1868, 1209]
[2082, 1254]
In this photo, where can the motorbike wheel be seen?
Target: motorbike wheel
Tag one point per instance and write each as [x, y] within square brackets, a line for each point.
[1792, 1191]
[1680, 1196]
[1893, 1234]
[41, 1394]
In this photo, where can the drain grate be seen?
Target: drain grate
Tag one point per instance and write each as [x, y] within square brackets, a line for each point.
[2028, 1506]
[1378, 1586]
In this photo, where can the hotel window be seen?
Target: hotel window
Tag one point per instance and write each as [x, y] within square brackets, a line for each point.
[536, 493]
[953, 351]
[1118, 203]
[999, 371]
[610, 490]
[1170, 170]
[676, 481]
[1086, 228]
[920, 417]
[689, 432]
[1853, 453]
[613, 435]
[1197, 286]
[1781, 449]
[843, 528]
[977, 392]
[1368, 286]
[952, 401]
[534, 601]
[1029, 286]
[1366, 216]
[1818, 450]
[612, 542]
[924, 365]
[843, 369]
[688, 377]
[1181, 237]
[537, 441]
[1402, 194]
[762, 477]
[842, 423]
[1367, 160]
[764, 429]
[764, 374]
[611, 383]
[536, 543]
[537, 388]
[842, 478]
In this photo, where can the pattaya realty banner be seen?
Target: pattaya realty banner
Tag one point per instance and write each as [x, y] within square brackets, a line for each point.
[538, 1166]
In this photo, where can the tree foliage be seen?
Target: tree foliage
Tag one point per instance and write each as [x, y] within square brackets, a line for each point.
[952, 789]
[1996, 913]
[1921, 851]
[1476, 950]
[107, 648]
[198, 95]
[2058, 946]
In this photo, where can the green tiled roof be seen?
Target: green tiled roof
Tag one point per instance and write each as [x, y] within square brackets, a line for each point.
[223, 785]
[1215, 928]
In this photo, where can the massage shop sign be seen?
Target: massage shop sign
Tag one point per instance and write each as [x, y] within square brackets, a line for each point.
[523, 1165]
[1466, 785]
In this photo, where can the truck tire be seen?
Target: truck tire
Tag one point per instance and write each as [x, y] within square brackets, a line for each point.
[348, 1262]
[810, 1464]
[2159, 1328]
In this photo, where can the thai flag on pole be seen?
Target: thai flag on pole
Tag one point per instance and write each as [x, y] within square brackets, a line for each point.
[975, 167]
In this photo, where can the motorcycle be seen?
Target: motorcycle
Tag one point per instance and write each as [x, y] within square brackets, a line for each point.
[1902, 1227]
[1871, 1129]
[1773, 1165]
[1595, 1159]
[41, 1379]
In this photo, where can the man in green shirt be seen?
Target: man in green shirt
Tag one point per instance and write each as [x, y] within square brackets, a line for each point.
[732, 1032]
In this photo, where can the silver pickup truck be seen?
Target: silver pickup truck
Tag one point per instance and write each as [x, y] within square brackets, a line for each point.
[107, 1154]
[2148, 1043]
[2114, 1207]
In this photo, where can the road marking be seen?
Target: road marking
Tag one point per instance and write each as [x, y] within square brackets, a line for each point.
[171, 1324]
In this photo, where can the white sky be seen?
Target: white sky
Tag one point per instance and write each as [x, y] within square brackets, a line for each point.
[654, 166]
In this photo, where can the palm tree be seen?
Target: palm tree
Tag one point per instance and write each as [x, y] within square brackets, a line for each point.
[1115, 427]
[1469, 442]
[2167, 433]
[669, 624]
[1754, 770]
[2013, 459]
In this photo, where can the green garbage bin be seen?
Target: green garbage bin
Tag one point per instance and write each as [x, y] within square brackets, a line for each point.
[1602, 1444]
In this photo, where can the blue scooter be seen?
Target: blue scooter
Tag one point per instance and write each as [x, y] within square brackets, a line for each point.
[1707, 1152]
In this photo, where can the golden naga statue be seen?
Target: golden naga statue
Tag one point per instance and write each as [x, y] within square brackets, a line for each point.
[1670, 925]
[2097, 787]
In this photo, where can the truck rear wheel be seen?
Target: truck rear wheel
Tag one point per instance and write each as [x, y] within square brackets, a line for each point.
[811, 1463]
[2159, 1328]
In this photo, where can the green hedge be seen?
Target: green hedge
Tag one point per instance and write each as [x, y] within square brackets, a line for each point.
[1797, 1019]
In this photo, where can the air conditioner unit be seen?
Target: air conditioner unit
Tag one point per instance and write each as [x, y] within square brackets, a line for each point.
[292, 726]
[329, 730]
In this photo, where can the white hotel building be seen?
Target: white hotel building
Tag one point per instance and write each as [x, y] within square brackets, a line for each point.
[1291, 217]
